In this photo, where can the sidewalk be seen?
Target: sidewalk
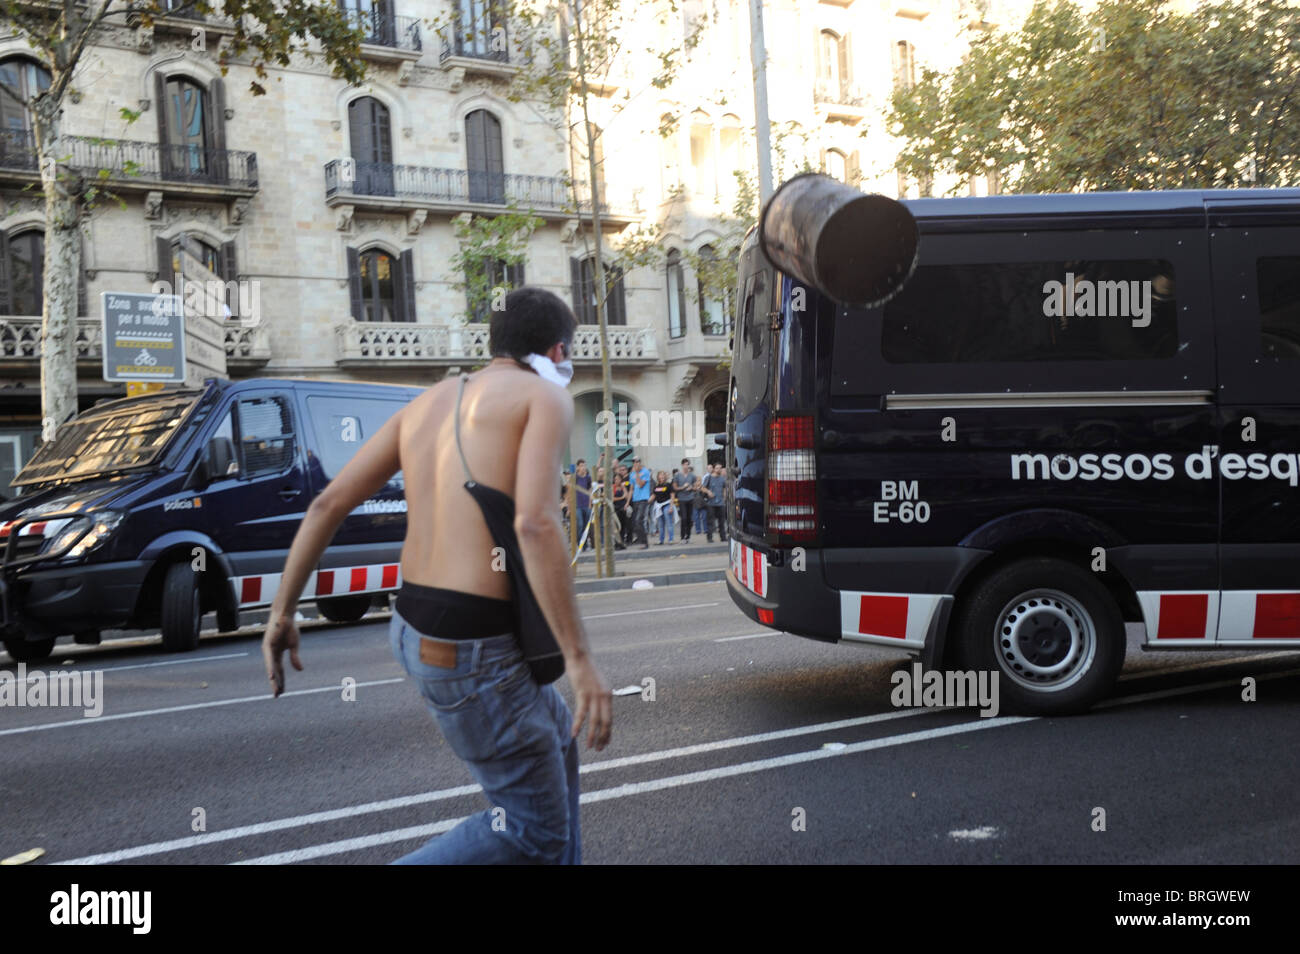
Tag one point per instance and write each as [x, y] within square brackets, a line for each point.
[662, 565]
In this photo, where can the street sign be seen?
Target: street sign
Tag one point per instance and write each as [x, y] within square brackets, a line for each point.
[144, 337]
[203, 298]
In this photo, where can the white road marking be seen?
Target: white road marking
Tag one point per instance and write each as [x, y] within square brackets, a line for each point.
[407, 801]
[265, 697]
[729, 639]
[640, 788]
[170, 662]
[661, 609]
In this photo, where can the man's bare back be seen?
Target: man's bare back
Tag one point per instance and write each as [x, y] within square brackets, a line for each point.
[447, 543]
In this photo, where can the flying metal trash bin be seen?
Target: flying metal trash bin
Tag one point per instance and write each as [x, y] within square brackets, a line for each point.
[855, 248]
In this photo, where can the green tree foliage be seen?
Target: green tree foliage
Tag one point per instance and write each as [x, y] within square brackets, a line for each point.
[485, 240]
[1132, 95]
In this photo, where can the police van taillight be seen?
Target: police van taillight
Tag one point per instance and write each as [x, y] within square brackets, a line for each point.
[791, 478]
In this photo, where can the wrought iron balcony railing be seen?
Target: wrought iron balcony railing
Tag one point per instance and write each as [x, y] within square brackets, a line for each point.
[382, 28]
[480, 41]
[127, 159]
[838, 94]
[347, 177]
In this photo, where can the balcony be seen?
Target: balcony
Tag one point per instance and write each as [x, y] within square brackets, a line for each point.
[483, 50]
[398, 344]
[137, 166]
[383, 186]
[842, 101]
[20, 343]
[385, 37]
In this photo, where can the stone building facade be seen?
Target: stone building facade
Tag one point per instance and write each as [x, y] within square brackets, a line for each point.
[337, 205]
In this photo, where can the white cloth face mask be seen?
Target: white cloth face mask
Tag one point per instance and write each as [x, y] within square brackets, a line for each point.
[560, 374]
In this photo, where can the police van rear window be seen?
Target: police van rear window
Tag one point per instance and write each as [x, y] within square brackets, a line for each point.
[1033, 311]
[1279, 306]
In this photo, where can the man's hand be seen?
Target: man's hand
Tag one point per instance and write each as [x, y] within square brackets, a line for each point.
[591, 698]
[281, 634]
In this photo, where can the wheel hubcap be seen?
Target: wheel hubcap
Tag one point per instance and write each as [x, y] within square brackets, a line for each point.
[1045, 640]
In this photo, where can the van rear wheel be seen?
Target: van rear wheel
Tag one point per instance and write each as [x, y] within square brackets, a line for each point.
[345, 609]
[180, 615]
[29, 650]
[1049, 629]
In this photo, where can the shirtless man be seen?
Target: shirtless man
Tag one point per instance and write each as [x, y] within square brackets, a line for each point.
[452, 629]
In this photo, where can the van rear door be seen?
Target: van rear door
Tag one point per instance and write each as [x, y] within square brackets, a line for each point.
[749, 410]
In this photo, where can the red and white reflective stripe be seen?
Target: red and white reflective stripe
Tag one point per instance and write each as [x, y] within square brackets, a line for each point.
[1259, 614]
[749, 567]
[376, 578]
[36, 528]
[887, 618]
[1189, 615]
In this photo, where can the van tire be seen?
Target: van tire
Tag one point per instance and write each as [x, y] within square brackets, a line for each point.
[345, 609]
[29, 650]
[180, 612]
[1050, 630]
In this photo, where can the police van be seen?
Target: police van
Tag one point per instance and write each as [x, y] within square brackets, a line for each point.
[150, 512]
[1074, 412]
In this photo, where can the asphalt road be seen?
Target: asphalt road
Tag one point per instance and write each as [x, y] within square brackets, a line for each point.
[749, 731]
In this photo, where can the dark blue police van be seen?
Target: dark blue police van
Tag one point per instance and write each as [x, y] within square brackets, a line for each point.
[1079, 411]
[153, 511]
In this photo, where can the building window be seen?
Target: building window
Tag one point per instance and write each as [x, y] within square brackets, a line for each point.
[218, 259]
[668, 159]
[828, 49]
[487, 181]
[186, 128]
[729, 162]
[904, 65]
[498, 274]
[382, 286]
[676, 296]
[836, 165]
[702, 155]
[370, 131]
[22, 267]
[479, 22]
[21, 80]
[715, 314]
[578, 145]
[373, 18]
[584, 292]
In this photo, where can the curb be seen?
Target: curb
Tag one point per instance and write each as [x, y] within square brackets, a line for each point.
[624, 582]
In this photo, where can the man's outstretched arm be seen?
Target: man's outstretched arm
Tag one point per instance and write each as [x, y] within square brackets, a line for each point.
[364, 475]
[546, 558]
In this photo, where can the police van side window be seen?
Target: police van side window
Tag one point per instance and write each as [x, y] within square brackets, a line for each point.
[342, 425]
[1116, 310]
[226, 431]
[1279, 306]
[266, 435]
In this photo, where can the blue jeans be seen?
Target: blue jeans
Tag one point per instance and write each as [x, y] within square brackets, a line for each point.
[699, 518]
[514, 736]
[584, 515]
[666, 523]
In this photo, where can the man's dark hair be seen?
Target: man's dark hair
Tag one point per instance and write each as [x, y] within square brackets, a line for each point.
[533, 321]
[686, 460]
[581, 460]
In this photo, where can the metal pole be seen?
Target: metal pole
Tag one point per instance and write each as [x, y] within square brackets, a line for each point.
[762, 125]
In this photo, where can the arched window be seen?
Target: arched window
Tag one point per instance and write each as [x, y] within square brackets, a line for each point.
[715, 312]
[702, 155]
[496, 274]
[382, 286]
[828, 58]
[186, 129]
[370, 131]
[583, 277]
[676, 296]
[21, 79]
[836, 165]
[904, 65]
[22, 261]
[487, 181]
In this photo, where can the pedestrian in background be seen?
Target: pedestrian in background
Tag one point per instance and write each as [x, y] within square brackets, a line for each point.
[622, 501]
[701, 502]
[664, 508]
[684, 491]
[582, 494]
[642, 488]
[715, 486]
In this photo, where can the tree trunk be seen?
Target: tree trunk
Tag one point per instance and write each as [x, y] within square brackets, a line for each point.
[62, 269]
